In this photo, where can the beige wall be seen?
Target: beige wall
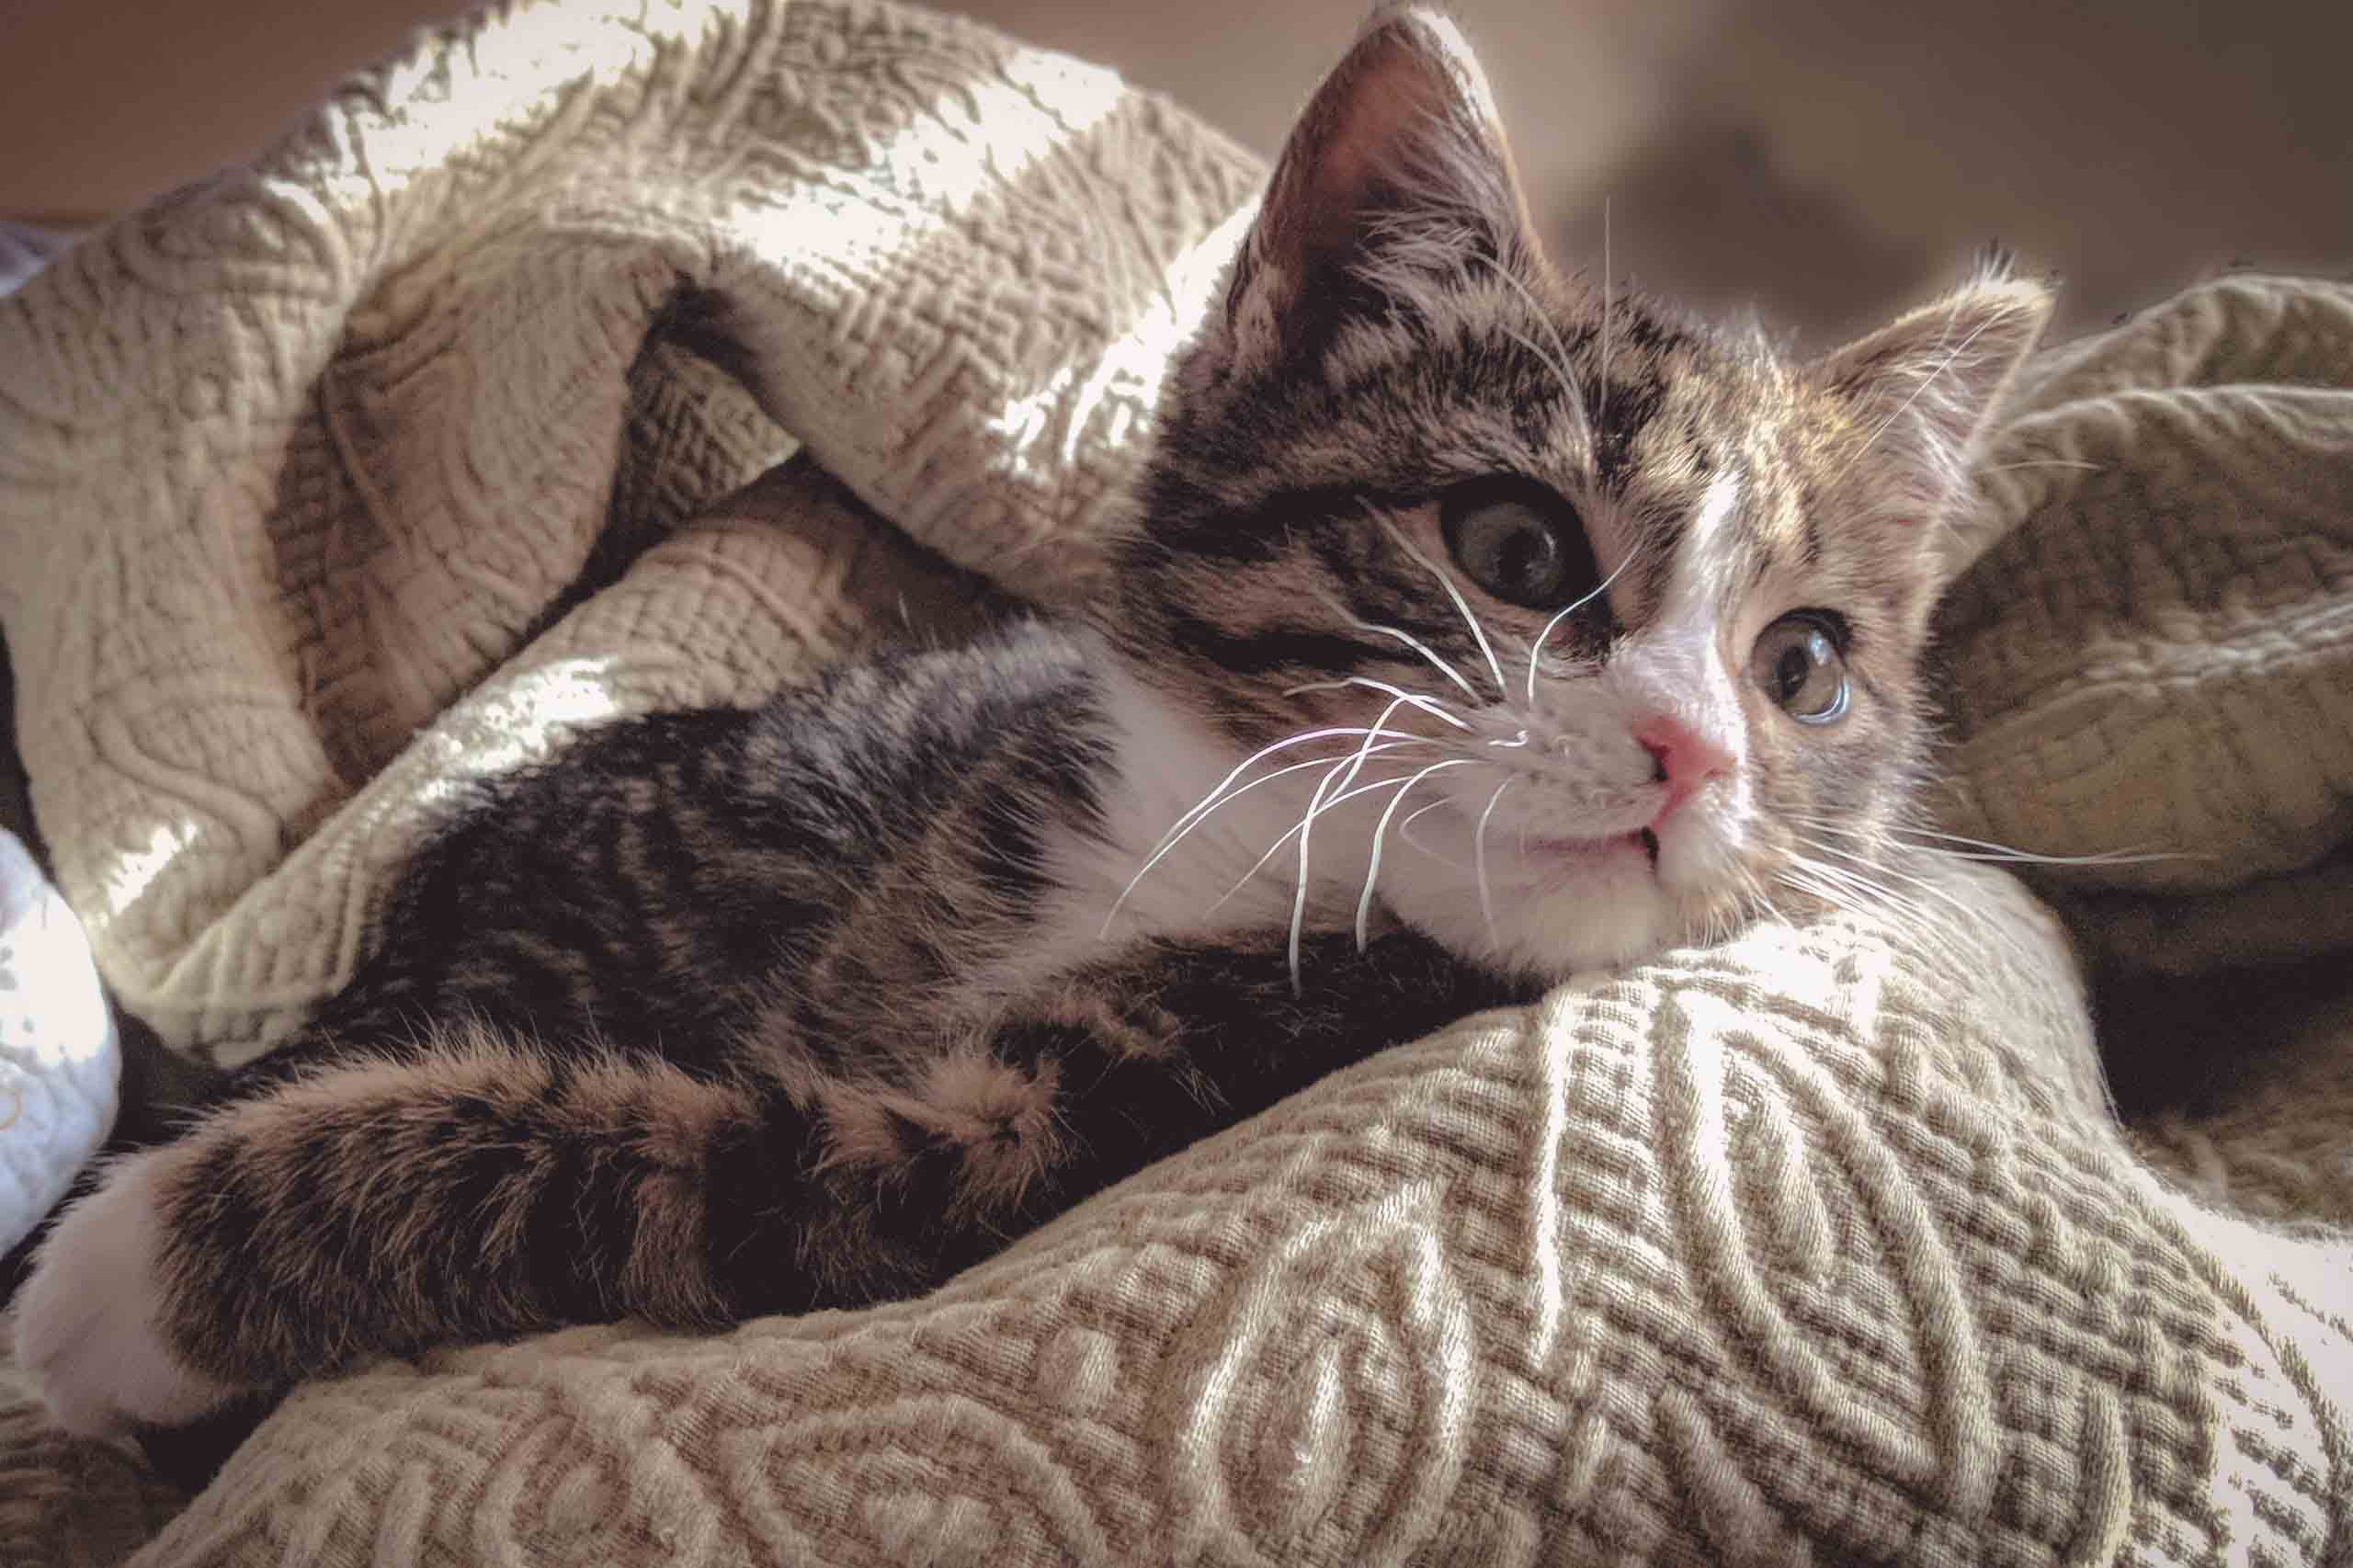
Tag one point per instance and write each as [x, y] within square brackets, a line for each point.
[1824, 158]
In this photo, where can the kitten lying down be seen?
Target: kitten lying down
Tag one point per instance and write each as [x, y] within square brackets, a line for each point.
[1475, 628]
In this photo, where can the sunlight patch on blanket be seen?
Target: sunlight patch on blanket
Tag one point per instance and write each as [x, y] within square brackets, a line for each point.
[1046, 430]
[136, 869]
[966, 144]
[526, 720]
[516, 68]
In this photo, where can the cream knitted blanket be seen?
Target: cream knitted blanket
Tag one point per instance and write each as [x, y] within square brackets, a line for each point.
[394, 454]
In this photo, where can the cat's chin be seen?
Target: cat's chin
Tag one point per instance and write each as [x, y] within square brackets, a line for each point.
[1556, 911]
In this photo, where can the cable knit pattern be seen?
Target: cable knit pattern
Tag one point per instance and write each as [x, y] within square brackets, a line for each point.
[402, 451]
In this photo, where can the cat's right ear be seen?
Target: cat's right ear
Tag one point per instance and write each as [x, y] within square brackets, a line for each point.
[1926, 392]
[1395, 177]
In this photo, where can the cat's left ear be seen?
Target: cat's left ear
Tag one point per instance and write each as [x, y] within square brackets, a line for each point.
[1927, 390]
[1395, 178]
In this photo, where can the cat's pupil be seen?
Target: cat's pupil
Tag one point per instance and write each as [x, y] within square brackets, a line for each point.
[1527, 556]
[1796, 664]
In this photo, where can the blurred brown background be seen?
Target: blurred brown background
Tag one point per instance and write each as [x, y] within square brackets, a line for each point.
[1823, 159]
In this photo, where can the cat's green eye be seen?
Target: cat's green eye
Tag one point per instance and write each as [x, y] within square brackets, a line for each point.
[1519, 543]
[1797, 662]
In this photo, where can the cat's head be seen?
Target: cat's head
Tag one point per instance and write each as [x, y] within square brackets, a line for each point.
[1638, 606]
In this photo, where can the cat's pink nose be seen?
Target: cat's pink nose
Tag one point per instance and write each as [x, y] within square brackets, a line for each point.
[1685, 761]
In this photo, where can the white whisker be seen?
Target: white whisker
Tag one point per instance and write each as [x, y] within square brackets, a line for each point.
[1209, 801]
[1478, 632]
[1415, 643]
[2022, 858]
[1354, 766]
[1478, 856]
[1847, 893]
[1983, 849]
[1372, 867]
[1969, 917]
[1430, 705]
[1961, 927]
[1292, 831]
[1240, 790]
[1220, 795]
[1753, 886]
[1406, 832]
[1559, 358]
[1537, 647]
[1987, 850]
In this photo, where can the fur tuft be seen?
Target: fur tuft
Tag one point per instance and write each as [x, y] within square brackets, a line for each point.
[1926, 388]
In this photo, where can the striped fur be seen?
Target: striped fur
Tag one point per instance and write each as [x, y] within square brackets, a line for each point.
[736, 1012]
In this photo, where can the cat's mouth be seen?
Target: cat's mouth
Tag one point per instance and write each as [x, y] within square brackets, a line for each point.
[1643, 841]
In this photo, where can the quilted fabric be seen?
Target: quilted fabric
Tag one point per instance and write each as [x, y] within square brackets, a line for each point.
[396, 453]
[2155, 657]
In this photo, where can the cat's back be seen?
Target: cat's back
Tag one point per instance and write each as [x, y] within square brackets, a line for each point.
[660, 877]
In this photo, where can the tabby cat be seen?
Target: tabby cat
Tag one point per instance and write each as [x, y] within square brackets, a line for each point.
[1475, 628]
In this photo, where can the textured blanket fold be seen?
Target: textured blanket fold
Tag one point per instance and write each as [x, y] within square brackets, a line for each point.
[453, 422]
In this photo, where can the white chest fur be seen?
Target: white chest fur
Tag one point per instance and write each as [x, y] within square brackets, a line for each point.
[1183, 847]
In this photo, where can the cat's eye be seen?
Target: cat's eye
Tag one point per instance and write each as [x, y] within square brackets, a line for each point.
[1519, 541]
[1798, 663]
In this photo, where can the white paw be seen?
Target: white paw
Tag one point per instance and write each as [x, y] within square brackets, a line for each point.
[86, 1319]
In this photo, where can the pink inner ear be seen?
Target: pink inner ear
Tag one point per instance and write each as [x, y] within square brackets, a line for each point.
[1402, 130]
[1364, 136]
[1391, 89]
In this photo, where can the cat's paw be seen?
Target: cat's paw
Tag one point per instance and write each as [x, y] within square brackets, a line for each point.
[89, 1319]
